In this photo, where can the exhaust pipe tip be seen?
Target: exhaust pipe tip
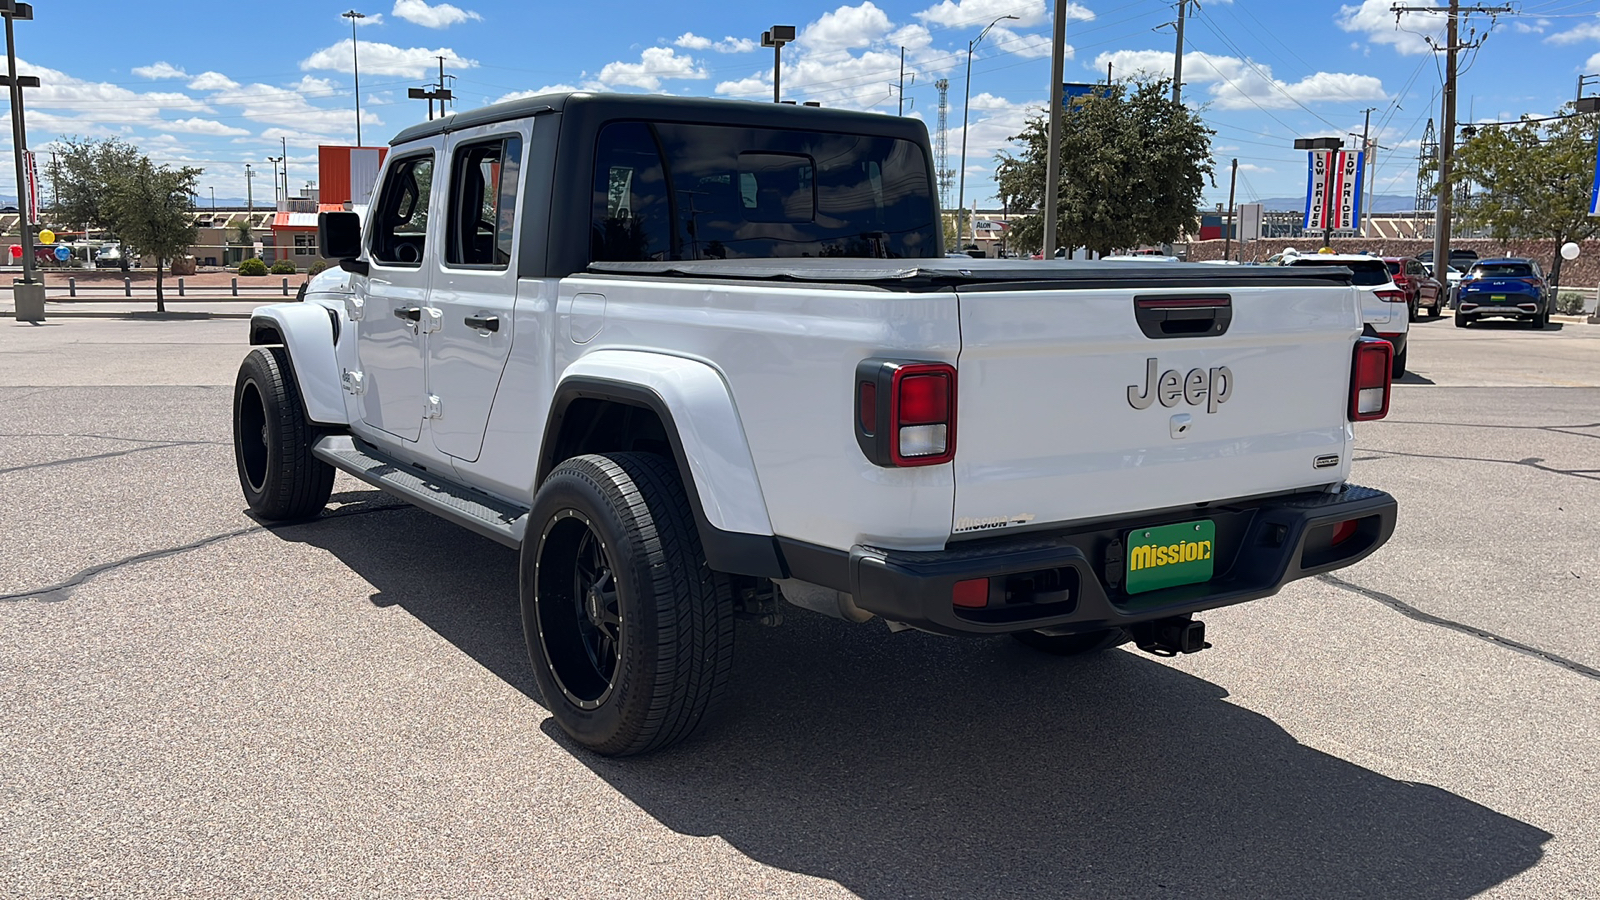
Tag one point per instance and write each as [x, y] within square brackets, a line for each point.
[1170, 637]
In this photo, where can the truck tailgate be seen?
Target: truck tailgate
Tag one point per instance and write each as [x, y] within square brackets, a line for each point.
[1062, 416]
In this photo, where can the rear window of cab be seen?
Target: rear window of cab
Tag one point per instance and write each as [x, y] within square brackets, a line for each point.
[1502, 270]
[1367, 273]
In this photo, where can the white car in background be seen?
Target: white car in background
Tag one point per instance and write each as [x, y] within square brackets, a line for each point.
[1385, 313]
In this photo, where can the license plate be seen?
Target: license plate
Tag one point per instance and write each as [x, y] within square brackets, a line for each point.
[1170, 555]
[1498, 298]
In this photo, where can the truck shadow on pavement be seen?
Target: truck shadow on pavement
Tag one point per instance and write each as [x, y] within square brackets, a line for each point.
[911, 765]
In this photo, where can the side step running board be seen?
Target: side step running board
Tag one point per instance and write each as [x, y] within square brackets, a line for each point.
[489, 516]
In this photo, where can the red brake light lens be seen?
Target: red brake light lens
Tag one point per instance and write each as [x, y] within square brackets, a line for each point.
[924, 400]
[1370, 380]
[1392, 296]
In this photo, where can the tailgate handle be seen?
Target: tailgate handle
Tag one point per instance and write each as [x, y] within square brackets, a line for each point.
[1183, 315]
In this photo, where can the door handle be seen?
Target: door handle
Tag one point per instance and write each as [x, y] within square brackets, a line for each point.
[483, 323]
[409, 313]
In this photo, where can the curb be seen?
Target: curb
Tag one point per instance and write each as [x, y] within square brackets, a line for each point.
[160, 317]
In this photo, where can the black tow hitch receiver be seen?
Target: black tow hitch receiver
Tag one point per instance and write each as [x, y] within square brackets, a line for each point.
[1169, 637]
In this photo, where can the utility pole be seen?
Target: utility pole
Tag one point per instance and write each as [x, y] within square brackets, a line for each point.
[1447, 135]
[284, 143]
[1177, 59]
[903, 80]
[355, 64]
[1052, 159]
[249, 195]
[1228, 227]
[1366, 149]
[27, 294]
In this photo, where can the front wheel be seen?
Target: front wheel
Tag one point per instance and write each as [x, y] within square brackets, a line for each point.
[1074, 644]
[629, 632]
[272, 440]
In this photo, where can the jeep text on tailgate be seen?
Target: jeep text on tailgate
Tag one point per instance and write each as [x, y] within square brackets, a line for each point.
[695, 359]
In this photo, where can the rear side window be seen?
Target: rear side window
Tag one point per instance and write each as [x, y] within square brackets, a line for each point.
[1502, 270]
[1394, 268]
[1366, 273]
[676, 191]
[400, 225]
[483, 202]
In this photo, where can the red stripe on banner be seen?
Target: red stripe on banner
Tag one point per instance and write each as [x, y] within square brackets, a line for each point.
[1338, 193]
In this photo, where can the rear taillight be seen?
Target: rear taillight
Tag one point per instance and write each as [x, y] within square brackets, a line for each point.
[906, 412]
[1392, 296]
[1370, 379]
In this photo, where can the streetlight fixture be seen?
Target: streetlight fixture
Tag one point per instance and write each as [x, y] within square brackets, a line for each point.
[961, 192]
[355, 62]
[27, 294]
[1332, 145]
[276, 197]
[776, 38]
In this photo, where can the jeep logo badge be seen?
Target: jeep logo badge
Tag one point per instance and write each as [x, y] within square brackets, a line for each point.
[1213, 388]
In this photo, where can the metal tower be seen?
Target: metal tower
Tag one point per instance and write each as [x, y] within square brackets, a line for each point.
[941, 150]
[1427, 199]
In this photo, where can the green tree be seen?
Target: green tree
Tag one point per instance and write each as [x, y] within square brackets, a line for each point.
[1133, 166]
[83, 171]
[1533, 180]
[150, 206]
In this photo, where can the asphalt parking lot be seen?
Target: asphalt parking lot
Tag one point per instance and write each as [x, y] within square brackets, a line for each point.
[192, 704]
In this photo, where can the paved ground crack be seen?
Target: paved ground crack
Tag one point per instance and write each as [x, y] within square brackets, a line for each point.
[64, 589]
[1532, 462]
[99, 456]
[1411, 612]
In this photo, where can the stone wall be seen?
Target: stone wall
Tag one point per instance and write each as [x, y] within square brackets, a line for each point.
[1582, 273]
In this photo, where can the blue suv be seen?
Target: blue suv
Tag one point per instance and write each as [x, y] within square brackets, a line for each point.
[1511, 288]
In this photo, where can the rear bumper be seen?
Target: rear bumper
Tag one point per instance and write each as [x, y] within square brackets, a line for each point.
[1521, 308]
[1072, 581]
[1397, 341]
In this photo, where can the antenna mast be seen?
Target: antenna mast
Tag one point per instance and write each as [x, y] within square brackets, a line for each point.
[942, 147]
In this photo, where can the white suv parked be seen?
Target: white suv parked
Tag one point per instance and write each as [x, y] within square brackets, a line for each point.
[1384, 310]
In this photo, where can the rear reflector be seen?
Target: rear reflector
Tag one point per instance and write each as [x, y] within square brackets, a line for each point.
[1370, 379]
[971, 594]
[1344, 531]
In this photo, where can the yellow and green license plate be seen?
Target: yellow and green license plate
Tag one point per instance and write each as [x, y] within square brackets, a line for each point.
[1170, 555]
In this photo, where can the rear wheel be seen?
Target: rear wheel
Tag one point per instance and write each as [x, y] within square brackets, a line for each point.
[1074, 644]
[1398, 368]
[629, 632]
[1462, 319]
[272, 441]
[1433, 311]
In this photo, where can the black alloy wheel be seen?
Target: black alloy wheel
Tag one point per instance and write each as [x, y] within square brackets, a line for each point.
[272, 441]
[579, 617]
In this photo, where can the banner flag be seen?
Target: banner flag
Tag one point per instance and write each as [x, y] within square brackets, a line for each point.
[1333, 189]
[1594, 192]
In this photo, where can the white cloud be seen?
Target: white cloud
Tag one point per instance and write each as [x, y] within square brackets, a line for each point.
[691, 41]
[1027, 46]
[385, 59]
[203, 126]
[547, 89]
[1376, 19]
[1577, 34]
[1592, 64]
[844, 29]
[1234, 83]
[734, 45]
[654, 64]
[212, 81]
[159, 70]
[977, 13]
[442, 15]
[1252, 167]
[65, 104]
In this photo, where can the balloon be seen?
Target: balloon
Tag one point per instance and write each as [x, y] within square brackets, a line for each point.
[1569, 250]
[63, 253]
[16, 251]
[46, 236]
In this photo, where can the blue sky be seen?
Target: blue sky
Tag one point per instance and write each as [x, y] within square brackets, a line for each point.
[219, 86]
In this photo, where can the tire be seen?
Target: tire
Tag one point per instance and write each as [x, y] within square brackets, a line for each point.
[1463, 320]
[1398, 368]
[1074, 644]
[1411, 311]
[272, 440]
[644, 664]
[1433, 311]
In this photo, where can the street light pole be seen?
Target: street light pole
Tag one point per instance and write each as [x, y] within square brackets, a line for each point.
[961, 191]
[28, 294]
[355, 62]
[775, 38]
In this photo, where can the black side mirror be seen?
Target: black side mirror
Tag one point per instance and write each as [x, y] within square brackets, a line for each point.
[339, 235]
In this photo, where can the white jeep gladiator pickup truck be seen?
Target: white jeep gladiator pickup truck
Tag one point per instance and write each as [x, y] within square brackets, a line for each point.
[692, 356]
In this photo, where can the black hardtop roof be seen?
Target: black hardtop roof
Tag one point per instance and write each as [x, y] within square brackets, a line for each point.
[924, 274]
[678, 109]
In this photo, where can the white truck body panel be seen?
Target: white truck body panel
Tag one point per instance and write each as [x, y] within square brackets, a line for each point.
[1046, 432]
